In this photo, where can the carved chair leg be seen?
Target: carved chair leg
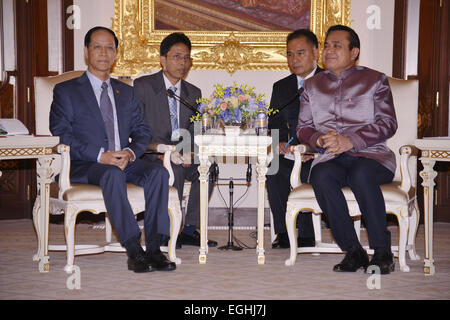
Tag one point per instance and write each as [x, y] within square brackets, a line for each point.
[36, 209]
[357, 225]
[175, 224]
[413, 225]
[316, 218]
[69, 228]
[403, 223]
[291, 218]
[108, 229]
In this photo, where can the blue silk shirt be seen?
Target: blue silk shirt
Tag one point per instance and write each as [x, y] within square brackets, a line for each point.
[358, 106]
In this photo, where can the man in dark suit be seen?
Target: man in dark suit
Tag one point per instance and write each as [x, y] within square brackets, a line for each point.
[100, 119]
[172, 124]
[302, 54]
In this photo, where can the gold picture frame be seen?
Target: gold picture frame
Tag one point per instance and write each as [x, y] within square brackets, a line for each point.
[138, 51]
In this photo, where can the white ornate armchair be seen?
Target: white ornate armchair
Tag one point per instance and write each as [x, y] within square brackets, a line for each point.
[399, 196]
[71, 199]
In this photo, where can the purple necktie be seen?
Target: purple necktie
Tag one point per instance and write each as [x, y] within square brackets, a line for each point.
[108, 117]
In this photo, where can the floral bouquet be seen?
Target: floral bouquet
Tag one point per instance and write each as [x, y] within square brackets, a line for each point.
[233, 105]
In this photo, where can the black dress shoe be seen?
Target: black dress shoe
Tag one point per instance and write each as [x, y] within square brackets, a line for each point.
[139, 264]
[352, 261]
[158, 261]
[384, 261]
[281, 241]
[306, 242]
[193, 240]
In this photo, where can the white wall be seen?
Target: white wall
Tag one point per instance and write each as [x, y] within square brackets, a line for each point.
[373, 21]
[376, 52]
[412, 37]
[8, 36]
[93, 13]
[54, 35]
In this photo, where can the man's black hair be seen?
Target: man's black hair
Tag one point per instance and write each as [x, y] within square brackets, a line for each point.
[87, 37]
[352, 36]
[171, 40]
[306, 33]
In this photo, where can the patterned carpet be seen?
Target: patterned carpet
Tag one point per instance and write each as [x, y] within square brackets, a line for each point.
[227, 275]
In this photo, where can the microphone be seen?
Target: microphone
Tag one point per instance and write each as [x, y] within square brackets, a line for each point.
[214, 173]
[172, 94]
[249, 173]
[295, 96]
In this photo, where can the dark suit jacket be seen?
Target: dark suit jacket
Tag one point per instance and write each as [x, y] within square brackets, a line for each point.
[286, 120]
[76, 118]
[152, 97]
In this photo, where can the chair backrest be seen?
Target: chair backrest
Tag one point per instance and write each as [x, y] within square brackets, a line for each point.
[43, 97]
[405, 94]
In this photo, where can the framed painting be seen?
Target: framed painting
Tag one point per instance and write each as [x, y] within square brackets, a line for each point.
[226, 35]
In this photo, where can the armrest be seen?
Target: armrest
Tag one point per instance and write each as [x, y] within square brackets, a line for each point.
[158, 147]
[64, 175]
[406, 152]
[64, 178]
[166, 149]
[298, 151]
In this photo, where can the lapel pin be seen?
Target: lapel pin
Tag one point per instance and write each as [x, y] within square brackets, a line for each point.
[117, 91]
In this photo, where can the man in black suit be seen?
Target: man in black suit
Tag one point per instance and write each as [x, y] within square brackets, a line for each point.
[166, 116]
[99, 118]
[302, 54]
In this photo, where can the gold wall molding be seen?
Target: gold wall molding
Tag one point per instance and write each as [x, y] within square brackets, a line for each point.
[139, 42]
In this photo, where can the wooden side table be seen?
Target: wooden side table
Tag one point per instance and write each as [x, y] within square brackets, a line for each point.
[232, 145]
[433, 149]
[47, 167]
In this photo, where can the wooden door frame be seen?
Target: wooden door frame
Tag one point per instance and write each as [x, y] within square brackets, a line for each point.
[31, 32]
[433, 107]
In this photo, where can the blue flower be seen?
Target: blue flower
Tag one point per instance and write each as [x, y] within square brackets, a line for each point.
[241, 103]
[237, 115]
[226, 115]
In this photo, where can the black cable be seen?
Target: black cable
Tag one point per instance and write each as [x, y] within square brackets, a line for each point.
[241, 244]
[234, 204]
[220, 193]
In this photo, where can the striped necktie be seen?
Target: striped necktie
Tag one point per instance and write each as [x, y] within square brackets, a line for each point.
[173, 115]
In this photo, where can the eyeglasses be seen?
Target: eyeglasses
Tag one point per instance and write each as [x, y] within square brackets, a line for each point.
[179, 57]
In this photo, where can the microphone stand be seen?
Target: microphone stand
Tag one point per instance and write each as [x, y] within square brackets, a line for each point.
[230, 245]
[172, 94]
[297, 94]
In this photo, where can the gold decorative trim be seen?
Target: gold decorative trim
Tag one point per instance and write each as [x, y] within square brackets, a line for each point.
[138, 51]
[24, 152]
[440, 154]
[436, 154]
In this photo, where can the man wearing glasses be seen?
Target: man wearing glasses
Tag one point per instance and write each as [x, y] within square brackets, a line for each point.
[167, 115]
